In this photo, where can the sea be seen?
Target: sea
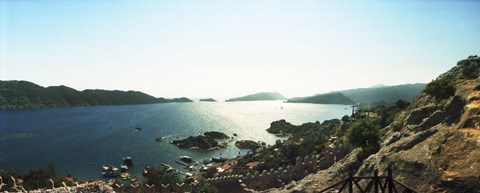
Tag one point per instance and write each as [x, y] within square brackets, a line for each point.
[79, 140]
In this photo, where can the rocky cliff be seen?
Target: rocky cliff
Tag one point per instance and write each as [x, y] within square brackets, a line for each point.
[433, 146]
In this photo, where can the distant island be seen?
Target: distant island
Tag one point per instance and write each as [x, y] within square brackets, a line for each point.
[261, 96]
[208, 100]
[329, 98]
[27, 95]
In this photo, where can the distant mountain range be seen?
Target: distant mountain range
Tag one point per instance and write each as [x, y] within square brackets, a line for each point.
[387, 94]
[261, 96]
[329, 98]
[372, 95]
[27, 95]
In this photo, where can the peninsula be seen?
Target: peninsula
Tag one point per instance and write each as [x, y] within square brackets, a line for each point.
[261, 96]
[27, 95]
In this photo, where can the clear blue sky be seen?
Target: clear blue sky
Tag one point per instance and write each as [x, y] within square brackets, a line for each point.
[223, 49]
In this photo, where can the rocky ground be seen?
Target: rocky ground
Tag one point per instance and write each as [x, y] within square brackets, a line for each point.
[431, 147]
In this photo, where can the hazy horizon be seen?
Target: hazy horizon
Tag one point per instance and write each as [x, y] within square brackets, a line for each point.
[217, 49]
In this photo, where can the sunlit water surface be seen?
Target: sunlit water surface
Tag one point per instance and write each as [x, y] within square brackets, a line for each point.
[78, 140]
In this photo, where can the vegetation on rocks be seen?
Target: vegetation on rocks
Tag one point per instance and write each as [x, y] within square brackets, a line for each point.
[440, 89]
[364, 133]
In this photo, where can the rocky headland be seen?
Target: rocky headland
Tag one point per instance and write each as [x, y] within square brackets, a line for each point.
[207, 141]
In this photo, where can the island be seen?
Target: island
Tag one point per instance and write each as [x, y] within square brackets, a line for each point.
[27, 95]
[208, 100]
[248, 144]
[261, 96]
[207, 141]
[329, 98]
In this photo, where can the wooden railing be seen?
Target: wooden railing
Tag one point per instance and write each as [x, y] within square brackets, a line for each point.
[376, 184]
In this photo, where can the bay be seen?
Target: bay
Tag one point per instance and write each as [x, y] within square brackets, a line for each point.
[79, 140]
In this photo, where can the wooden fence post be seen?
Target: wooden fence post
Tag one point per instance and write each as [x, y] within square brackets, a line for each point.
[390, 180]
[350, 182]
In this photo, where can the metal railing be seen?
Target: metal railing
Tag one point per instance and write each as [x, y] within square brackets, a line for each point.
[375, 183]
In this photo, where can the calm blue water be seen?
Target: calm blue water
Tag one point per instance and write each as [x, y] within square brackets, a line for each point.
[78, 140]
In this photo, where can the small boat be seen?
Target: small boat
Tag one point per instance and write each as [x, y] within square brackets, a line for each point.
[111, 173]
[158, 138]
[218, 159]
[123, 168]
[138, 128]
[105, 168]
[187, 159]
[128, 161]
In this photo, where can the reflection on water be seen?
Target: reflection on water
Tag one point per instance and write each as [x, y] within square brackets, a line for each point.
[78, 140]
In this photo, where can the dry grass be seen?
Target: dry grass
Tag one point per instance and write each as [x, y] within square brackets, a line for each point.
[461, 153]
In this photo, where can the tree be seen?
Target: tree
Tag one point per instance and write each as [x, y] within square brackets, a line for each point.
[440, 89]
[401, 104]
[364, 133]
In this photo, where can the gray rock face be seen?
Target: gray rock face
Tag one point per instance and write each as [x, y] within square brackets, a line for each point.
[455, 110]
[393, 138]
[436, 118]
[414, 140]
[417, 115]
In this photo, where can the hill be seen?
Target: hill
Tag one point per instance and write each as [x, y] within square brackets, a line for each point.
[431, 146]
[208, 100]
[261, 96]
[329, 98]
[384, 94]
[27, 95]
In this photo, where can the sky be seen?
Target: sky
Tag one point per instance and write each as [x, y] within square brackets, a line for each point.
[224, 49]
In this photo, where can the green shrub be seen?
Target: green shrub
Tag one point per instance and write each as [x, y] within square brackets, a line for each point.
[440, 89]
[364, 133]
